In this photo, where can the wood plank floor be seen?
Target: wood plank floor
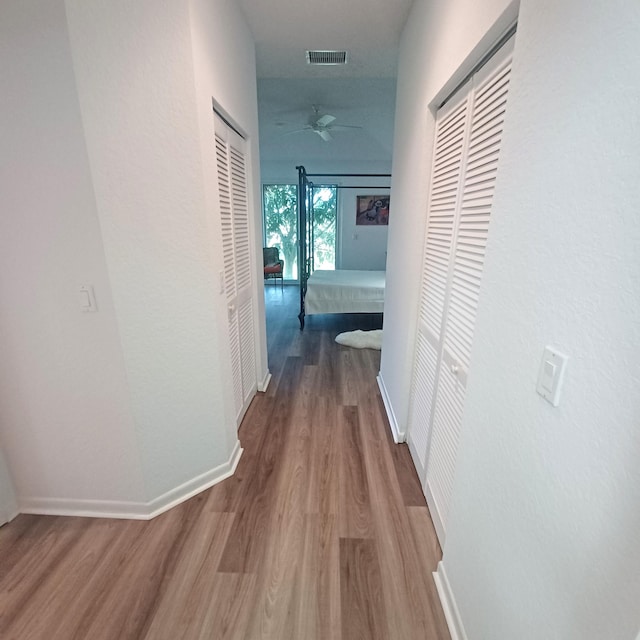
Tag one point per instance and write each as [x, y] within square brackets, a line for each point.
[323, 532]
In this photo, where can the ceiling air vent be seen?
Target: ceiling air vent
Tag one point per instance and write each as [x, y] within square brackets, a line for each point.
[326, 57]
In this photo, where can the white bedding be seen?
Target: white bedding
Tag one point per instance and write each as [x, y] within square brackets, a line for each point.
[345, 292]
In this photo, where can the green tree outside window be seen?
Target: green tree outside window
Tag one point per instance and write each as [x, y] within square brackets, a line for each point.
[281, 228]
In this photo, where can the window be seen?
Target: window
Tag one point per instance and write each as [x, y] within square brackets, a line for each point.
[324, 216]
[280, 203]
[280, 210]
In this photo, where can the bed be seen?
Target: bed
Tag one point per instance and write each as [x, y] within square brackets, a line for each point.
[345, 292]
[338, 291]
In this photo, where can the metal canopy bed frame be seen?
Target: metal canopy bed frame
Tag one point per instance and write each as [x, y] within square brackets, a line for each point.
[306, 242]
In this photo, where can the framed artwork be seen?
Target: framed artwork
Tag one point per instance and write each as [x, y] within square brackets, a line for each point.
[372, 210]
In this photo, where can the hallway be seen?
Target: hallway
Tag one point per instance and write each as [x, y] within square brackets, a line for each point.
[323, 532]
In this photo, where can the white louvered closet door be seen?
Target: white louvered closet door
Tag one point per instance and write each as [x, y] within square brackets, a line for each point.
[468, 140]
[236, 249]
[451, 127]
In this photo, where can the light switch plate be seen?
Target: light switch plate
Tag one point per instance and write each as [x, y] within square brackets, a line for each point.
[87, 298]
[551, 375]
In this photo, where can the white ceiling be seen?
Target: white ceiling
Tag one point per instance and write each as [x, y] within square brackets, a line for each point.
[284, 30]
[360, 93]
[285, 104]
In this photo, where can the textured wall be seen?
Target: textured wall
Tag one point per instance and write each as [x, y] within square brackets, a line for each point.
[104, 182]
[363, 246]
[543, 535]
[8, 507]
[136, 85]
[65, 418]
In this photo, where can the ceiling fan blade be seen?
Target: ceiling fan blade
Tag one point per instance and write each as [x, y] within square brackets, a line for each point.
[345, 126]
[288, 133]
[324, 134]
[325, 120]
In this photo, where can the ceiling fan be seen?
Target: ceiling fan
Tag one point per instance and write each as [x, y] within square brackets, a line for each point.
[322, 125]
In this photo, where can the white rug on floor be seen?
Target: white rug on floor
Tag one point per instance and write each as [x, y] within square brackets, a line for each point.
[361, 339]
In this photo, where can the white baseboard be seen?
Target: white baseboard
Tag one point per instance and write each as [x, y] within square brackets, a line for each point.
[8, 516]
[449, 606]
[198, 484]
[85, 508]
[133, 510]
[436, 516]
[417, 462]
[265, 382]
[398, 436]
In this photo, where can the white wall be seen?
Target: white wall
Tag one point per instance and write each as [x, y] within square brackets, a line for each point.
[8, 506]
[542, 538]
[364, 246]
[105, 182]
[65, 417]
[136, 83]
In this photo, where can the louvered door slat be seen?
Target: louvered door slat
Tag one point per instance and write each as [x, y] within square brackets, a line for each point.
[487, 120]
[247, 354]
[448, 131]
[481, 174]
[448, 162]
[445, 438]
[485, 140]
[445, 191]
[480, 157]
[240, 219]
[236, 362]
[226, 217]
[472, 238]
[490, 110]
[423, 386]
[440, 222]
[488, 90]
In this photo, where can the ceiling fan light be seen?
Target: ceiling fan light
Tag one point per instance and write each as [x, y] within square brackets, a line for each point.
[326, 57]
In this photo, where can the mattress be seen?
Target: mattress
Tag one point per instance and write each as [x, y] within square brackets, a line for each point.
[345, 292]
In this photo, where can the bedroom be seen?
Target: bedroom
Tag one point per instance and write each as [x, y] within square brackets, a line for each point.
[358, 105]
[357, 139]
